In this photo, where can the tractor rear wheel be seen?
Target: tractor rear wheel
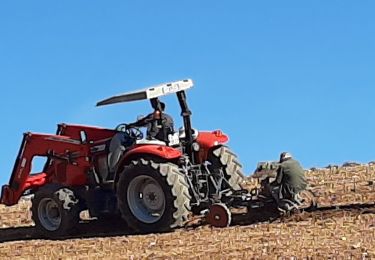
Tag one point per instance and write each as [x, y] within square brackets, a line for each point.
[55, 211]
[223, 158]
[153, 197]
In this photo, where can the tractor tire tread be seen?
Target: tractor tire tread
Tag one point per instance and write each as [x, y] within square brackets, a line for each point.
[233, 169]
[177, 184]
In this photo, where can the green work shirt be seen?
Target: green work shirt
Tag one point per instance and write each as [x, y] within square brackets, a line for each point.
[291, 177]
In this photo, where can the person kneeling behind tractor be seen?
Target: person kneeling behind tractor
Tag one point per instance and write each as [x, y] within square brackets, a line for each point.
[290, 181]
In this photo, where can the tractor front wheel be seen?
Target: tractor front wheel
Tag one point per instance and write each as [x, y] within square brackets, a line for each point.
[223, 158]
[55, 211]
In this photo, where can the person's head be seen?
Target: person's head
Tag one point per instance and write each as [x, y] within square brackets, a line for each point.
[285, 156]
[157, 113]
[162, 106]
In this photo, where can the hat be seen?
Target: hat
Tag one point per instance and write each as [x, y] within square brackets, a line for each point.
[284, 156]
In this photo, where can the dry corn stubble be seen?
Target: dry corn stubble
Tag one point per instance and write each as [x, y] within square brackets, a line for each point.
[340, 234]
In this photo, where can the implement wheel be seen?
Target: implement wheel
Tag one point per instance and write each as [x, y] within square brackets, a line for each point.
[219, 215]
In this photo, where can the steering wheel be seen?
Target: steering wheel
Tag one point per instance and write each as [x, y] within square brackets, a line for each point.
[135, 132]
[132, 132]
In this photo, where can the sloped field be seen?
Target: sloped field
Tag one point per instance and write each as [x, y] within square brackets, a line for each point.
[347, 232]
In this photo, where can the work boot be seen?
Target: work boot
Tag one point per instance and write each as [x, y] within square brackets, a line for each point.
[297, 199]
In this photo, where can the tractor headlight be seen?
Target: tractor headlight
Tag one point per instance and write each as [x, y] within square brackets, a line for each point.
[195, 147]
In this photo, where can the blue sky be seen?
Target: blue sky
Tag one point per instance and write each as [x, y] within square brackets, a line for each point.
[276, 76]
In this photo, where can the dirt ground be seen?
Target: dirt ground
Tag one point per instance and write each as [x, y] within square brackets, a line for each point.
[342, 228]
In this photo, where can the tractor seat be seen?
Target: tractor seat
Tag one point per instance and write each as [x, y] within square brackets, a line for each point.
[152, 141]
[181, 132]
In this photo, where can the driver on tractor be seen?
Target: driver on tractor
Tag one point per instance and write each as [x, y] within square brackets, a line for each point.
[159, 124]
[290, 181]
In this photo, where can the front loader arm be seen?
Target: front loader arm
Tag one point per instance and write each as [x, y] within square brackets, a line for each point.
[56, 147]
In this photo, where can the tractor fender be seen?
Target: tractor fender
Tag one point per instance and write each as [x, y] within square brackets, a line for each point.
[157, 152]
[209, 140]
[162, 151]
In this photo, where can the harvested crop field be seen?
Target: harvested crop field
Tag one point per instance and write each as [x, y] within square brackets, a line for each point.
[343, 227]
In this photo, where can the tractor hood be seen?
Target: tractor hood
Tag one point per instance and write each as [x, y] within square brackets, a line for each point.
[149, 93]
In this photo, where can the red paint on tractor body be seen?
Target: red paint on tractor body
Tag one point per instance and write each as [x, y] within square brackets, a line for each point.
[69, 154]
[207, 141]
[161, 151]
[75, 150]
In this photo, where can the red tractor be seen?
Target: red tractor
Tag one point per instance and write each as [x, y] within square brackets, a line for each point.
[154, 185]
